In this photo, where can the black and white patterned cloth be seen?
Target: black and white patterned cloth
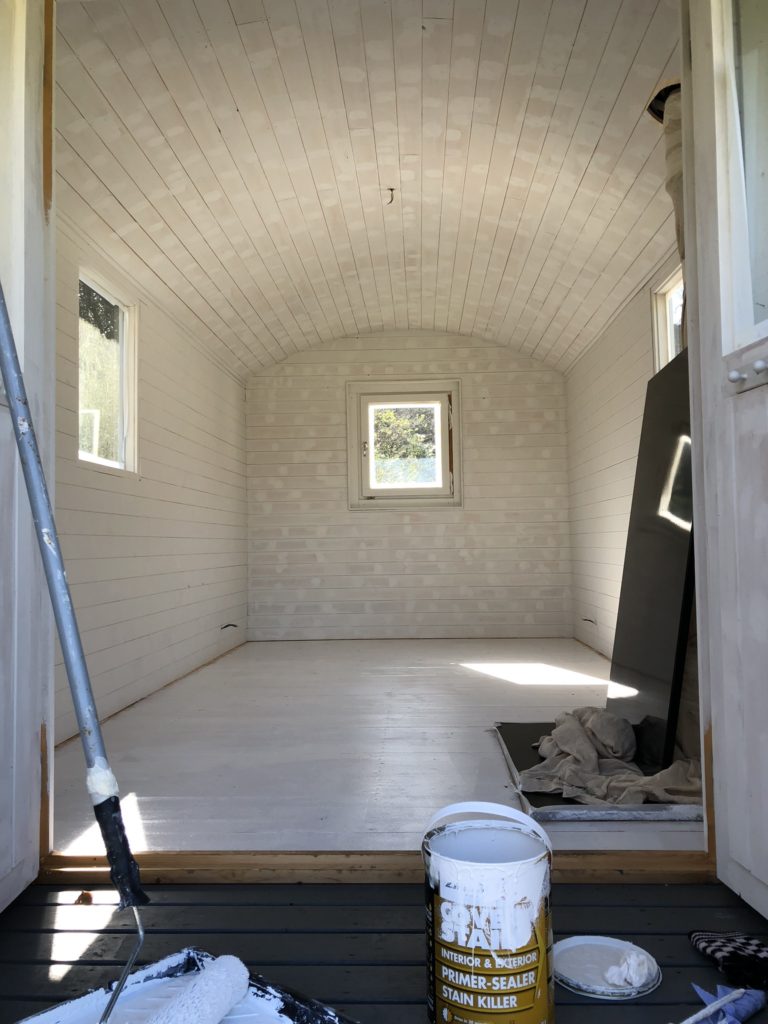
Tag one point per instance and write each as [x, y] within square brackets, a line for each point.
[743, 959]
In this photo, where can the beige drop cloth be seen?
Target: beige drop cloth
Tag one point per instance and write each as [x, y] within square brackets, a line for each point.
[588, 757]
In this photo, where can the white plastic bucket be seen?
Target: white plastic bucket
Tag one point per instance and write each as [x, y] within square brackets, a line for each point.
[489, 933]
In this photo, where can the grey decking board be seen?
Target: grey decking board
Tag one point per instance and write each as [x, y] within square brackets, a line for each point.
[359, 895]
[224, 919]
[575, 895]
[280, 895]
[594, 921]
[350, 983]
[331, 919]
[256, 949]
[268, 949]
[332, 984]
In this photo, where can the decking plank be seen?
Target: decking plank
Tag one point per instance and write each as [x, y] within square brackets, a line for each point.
[358, 895]
[306, 894]
[637, 920]
[262, 950]
[329, 983]
[257, 950]
[218, 919]
[576, 895]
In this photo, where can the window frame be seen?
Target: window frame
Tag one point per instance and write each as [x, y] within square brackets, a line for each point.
[361, 395]
[663, 337]
[128, 463]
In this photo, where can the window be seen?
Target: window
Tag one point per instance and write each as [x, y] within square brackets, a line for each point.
[105, 379]
[402, 443]
[668, 319]
[751, 60]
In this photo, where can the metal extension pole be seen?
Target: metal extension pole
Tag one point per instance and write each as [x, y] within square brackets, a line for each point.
[102, 785]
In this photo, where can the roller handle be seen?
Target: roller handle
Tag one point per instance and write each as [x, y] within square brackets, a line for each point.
[123, 869]
[484, 807]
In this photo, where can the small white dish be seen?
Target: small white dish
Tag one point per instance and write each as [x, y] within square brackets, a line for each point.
[580, 963]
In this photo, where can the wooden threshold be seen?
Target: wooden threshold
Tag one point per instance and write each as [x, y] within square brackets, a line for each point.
[236, 866]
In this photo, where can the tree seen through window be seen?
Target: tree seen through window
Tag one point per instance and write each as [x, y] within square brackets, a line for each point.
[100, 377]
[405, 445]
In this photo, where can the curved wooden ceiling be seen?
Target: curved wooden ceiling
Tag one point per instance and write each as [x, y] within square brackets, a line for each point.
[281, 172]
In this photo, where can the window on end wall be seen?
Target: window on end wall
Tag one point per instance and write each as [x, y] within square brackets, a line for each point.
[106, 379]
[668, 319]
[402, 442]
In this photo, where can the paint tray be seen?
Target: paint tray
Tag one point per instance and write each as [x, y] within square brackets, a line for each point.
[148, 988]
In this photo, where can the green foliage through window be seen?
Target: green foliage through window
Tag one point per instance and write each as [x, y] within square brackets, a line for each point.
[100, 377]
[405, 445]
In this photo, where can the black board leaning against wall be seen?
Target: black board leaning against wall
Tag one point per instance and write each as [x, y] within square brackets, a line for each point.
[657, 583]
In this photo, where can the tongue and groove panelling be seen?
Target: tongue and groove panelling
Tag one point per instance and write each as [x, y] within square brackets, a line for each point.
[498, 567]
[157, 559]
[606, 394]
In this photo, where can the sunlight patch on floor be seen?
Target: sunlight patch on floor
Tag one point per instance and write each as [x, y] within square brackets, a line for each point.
[540, 674]
[67, 947]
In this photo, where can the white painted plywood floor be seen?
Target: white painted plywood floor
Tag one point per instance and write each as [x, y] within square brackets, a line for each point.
[323, 745]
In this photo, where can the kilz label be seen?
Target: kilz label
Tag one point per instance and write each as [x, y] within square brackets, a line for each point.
[476, 978]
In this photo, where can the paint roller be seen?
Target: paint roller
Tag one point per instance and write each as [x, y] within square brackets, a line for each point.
[210, 995]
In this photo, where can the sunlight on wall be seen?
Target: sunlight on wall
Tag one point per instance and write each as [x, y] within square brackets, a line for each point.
[69, 942]
[539, 674]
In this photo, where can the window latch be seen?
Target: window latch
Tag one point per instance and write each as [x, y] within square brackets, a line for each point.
[365, 449]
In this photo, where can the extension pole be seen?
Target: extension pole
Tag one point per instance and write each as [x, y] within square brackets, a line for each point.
[101, 783]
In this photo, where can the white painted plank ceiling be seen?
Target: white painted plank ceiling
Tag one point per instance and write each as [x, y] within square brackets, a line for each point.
[282, 172]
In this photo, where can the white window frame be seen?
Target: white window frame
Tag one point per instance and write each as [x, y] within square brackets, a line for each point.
[745, 330]
[128, 462]
[361, 395]
[663, 335]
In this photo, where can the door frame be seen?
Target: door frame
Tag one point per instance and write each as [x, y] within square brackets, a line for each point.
[26, 270]
[574, 866]
[716, 263]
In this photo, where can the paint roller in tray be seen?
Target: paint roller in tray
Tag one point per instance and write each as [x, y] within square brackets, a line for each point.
[192, 987]
[101, 782]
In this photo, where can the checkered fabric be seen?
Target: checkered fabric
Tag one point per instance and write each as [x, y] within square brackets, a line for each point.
[743, 959]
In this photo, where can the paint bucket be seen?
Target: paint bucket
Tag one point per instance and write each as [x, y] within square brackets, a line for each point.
[489, 934]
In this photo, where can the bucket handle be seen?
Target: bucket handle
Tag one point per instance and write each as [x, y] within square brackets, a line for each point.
[496, 810]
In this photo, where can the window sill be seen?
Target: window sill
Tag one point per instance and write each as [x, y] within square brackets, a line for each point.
[101, 467]
[401, 504]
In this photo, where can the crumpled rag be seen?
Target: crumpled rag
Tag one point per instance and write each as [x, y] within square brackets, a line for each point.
[588, 758]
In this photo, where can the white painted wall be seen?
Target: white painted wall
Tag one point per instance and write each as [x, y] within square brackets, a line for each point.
[605, 398]
[26, 636]
[498, 567]
[156, 560]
